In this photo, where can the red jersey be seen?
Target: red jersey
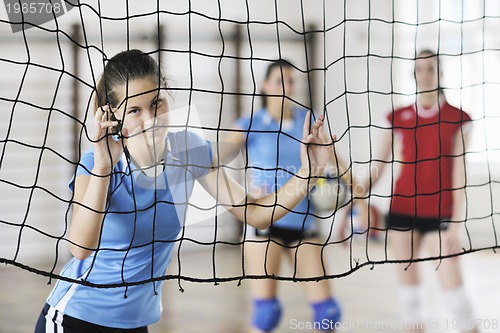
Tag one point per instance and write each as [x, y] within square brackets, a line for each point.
[424, 186]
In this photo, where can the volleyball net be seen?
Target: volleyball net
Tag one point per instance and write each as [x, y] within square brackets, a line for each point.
[353, 64]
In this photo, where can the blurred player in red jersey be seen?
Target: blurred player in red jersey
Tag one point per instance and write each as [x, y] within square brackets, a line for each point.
[428, 196]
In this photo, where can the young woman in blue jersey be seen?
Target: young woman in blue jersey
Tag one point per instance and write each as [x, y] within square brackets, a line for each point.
[271, 137]
[130, 195]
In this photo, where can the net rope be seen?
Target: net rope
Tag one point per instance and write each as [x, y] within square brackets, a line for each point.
[62, 38]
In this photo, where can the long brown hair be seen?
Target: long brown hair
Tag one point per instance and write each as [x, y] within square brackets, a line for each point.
[123, 67]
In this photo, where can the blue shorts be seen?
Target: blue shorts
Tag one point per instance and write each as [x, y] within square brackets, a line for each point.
[69, 324]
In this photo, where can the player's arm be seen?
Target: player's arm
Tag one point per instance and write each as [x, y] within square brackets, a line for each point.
[378, 165]
[461, 141]
[88, 213]
[345, 173]
[90, 191]
[262, 211]
[228, 147]
[451, 238]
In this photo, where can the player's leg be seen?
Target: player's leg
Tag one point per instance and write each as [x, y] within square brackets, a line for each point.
[405, 245]
[450, 277]
[263, 258]
[309, 263]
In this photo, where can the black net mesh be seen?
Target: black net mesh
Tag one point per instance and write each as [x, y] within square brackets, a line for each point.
[352, 66]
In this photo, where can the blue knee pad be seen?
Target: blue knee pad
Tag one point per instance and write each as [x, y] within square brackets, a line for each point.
[326, 314]
[266, 314]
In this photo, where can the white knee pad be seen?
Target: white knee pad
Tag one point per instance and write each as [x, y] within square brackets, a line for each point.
[459, 306]
[411, 304]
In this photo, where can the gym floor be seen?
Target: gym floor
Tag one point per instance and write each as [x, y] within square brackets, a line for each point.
[367, 295]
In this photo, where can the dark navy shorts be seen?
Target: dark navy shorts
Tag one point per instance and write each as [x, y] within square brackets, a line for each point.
[52, 321]
[419, 224]
[285, 236]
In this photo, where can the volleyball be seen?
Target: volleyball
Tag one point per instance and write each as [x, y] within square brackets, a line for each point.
[329, 194]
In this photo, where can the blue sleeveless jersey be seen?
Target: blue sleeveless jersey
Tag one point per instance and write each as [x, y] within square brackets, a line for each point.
[274, 157]
[140, 229]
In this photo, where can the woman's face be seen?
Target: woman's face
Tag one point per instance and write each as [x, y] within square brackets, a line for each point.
[427, 73]
[144, 112]
[275, 83]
